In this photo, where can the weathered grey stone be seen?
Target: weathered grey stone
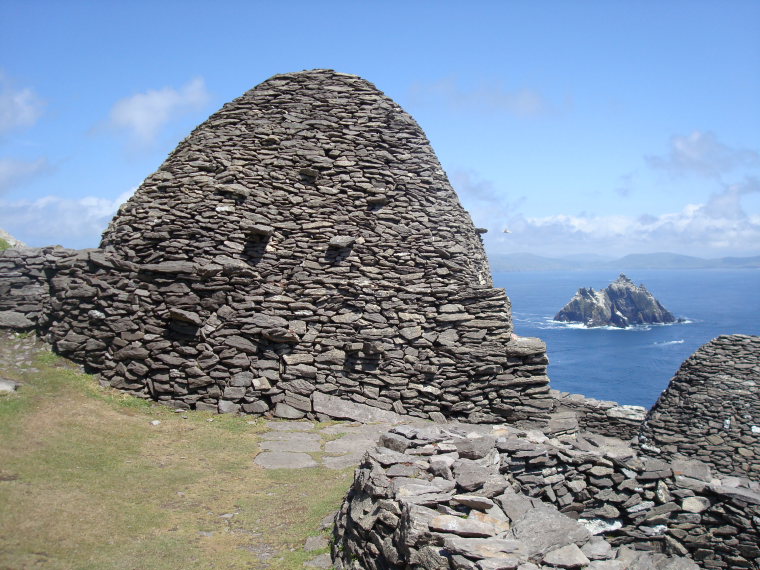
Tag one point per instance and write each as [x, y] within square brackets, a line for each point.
[342, 241]
[283, 410]
[15, 320]
[568, 556]
[544, 528]
[475, 448]
[338, 408]
[695, 504]
[7, 385]
[284, 460]
[479, 548]
[293, 444]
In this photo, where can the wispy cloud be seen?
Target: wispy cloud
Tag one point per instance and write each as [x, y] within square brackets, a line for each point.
[701, 153]
[20, 107]
[488, 205]
[143, 115]
[14, 172]
[522, 102]
[75, 222]
[718, 227]
[625, 186]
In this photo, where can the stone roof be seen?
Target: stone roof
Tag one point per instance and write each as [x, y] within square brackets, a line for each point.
[711, 408]
[302, 171]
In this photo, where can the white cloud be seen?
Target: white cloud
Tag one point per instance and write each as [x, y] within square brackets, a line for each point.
[19, 107]
[143, 115]
[701, 153]
[717, 228]
[522, 102]
[14, 172]
[72, 222]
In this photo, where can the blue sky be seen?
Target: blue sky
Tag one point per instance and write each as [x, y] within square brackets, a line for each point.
[582, 127]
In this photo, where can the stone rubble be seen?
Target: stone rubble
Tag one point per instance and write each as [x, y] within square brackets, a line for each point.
[437, 497]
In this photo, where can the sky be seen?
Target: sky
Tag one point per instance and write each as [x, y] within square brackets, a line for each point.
[583, 127]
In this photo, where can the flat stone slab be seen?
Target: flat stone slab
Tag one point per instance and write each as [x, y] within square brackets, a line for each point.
[7, 385]
[349, 444]
[14, 320]
[315, 543]
[296, 444]
[342, 461]
[290, 426]
[290, 436]
[337, 408]
[284, 460]
[344, 428]
[321, 561]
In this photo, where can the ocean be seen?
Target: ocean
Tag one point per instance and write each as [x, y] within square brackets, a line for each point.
[631, 366]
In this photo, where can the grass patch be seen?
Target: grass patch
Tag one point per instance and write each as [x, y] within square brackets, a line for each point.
[87, 481]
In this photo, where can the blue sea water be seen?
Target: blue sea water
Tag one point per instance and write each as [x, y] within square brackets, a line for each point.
[631, 366]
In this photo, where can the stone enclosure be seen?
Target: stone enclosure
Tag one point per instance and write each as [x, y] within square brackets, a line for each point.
[438, 497]
[711, 408]
[302, 254]
[301, 245]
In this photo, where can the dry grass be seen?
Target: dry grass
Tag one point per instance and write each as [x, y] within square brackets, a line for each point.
[87, 482]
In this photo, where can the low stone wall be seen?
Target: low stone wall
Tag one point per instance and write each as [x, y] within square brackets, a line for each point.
[445, 498]
[24, 290]
[711, 408]
[215, 336]
[601, 416]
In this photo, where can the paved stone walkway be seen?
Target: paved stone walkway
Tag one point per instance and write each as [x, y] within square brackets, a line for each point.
[16, 354]
[302, 444]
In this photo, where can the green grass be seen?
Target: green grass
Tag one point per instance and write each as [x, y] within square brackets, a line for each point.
[86, 481]
[4, 245]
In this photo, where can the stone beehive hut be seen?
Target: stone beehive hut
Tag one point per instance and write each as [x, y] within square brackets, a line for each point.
[301, 252]
[711, 408]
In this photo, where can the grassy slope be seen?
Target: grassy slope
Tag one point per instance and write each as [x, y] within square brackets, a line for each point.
[86, 481]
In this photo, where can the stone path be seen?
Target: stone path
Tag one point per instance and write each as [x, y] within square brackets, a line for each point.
[16, 355]
[302, 444]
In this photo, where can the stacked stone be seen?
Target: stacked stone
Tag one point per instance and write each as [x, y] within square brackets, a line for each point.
[601, 416]
[24, 291]
[711, 408]
[304, 240]
[442, 498]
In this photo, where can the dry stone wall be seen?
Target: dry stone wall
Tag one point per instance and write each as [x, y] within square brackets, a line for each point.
[303, 242]
[711, 408]
[600, 416]
[439, 497]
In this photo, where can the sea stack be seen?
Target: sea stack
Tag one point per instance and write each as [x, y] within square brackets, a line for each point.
[622, 304]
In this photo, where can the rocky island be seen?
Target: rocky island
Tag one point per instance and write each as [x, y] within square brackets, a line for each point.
[622, 304]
